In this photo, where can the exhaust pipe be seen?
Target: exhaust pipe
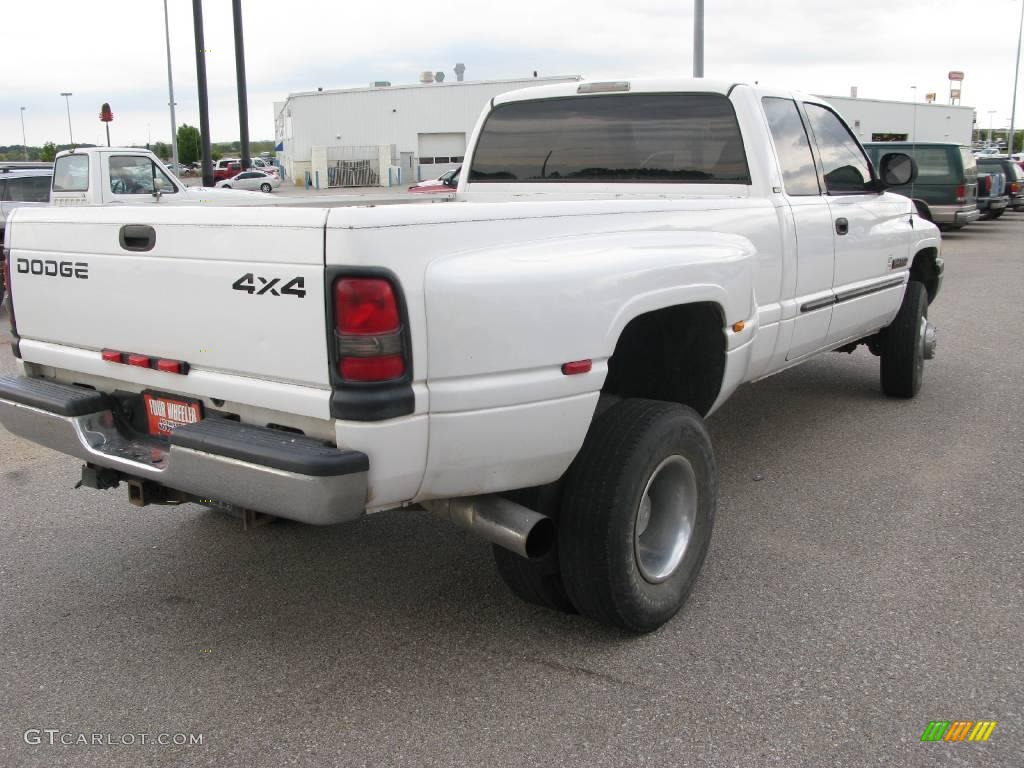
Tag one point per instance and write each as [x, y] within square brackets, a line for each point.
[500, 521]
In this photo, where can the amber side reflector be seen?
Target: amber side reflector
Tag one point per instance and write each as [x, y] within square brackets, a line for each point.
[739, 326]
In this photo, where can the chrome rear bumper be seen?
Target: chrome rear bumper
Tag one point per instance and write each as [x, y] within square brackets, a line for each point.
[311, 483]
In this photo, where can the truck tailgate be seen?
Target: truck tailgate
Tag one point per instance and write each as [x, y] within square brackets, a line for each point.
[237, 290]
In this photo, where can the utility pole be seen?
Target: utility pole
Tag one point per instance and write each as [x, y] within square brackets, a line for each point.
[698, 38]
[67, 100]
[1016, 72]
[170, 91]
[24, 143]
[243, 100]
[204, 106]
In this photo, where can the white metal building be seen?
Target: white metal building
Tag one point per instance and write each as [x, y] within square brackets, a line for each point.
[422, 127]
[360, 136]
[876, 120]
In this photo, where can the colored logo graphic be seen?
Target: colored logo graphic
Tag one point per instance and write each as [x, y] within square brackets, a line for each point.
[958, 730]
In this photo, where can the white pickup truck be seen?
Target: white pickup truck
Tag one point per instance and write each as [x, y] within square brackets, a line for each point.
[533, 360]
[129, 176]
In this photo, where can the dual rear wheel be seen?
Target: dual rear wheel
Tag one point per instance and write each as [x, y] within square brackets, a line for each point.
[634, 516]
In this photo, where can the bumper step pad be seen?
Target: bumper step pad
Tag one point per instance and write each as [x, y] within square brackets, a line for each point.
[62, 399]
[268, 447]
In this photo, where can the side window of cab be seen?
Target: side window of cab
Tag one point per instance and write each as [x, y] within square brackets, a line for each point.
[846, 167]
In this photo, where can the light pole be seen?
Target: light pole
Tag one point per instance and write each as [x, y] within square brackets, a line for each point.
[698, 38]
[24, 144]
[67, 102]
[1016, 71]
[170, 91]
[990, 113]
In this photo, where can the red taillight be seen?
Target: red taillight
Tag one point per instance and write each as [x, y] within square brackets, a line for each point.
[365, 306]
[988, 184]
[368, 330]
[961, 193]
[145, 361]
[381, 368]
[170, 366]
[1014, 187]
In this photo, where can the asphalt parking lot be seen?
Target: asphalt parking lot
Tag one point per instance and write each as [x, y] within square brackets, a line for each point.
[865, 578]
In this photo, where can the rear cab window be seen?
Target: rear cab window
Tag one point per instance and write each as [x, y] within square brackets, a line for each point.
[654, 138]
[27, 189]
[71, 173]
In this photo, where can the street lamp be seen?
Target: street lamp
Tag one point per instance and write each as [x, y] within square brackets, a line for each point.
[24, 144]
[990, 113]
[1016, 71]
[170, 90]
[67, 101]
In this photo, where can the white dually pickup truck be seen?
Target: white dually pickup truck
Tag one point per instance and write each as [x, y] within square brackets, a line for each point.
[532, 361]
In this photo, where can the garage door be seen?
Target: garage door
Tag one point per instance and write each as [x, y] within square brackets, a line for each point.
[438, 152]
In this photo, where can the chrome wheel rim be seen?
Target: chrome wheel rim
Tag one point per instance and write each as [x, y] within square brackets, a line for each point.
[665, 519]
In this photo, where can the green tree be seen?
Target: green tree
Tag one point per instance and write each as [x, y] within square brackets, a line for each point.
[189, 144]
[49, 152]
[162, 150]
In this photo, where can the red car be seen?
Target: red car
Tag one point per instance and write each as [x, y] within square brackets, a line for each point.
[446, 182]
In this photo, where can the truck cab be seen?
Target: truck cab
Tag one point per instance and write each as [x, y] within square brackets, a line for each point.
[128, 176]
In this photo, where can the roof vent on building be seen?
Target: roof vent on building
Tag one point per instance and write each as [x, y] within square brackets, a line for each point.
[381, 84]
[460, 70]
[439, 77]
[426, 76]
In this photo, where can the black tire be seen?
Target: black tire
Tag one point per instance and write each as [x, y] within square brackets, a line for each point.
[902, 345]
[997, 214]
[598, 541]
[266, 187]
[226, 186]
[537, 580]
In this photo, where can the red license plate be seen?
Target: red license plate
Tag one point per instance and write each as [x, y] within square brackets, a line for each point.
[165, 414]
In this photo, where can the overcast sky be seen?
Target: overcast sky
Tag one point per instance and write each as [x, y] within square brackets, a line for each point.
[113, 50]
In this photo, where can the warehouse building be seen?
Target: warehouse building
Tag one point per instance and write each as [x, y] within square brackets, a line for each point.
[388, 135]
[367, 136]
[876, 120]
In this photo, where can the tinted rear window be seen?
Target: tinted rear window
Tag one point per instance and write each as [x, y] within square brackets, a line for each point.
[936, 164]
[1010, 170]
[653, 138]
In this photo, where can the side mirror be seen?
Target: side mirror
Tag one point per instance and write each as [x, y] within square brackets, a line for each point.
[897, 169]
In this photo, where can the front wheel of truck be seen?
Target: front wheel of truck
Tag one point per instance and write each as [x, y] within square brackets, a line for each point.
[638, 507]
[906, 344]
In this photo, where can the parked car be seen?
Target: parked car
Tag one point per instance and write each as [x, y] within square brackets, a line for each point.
[226, 169]
[265, 165]
[446, 182]
[947, 179]
[253, 180]
[21, 186]
[1014, 178]
[533, 362]
[992, 197]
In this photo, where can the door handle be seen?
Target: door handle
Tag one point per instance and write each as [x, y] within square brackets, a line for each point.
[137, 237]
[842, 226]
